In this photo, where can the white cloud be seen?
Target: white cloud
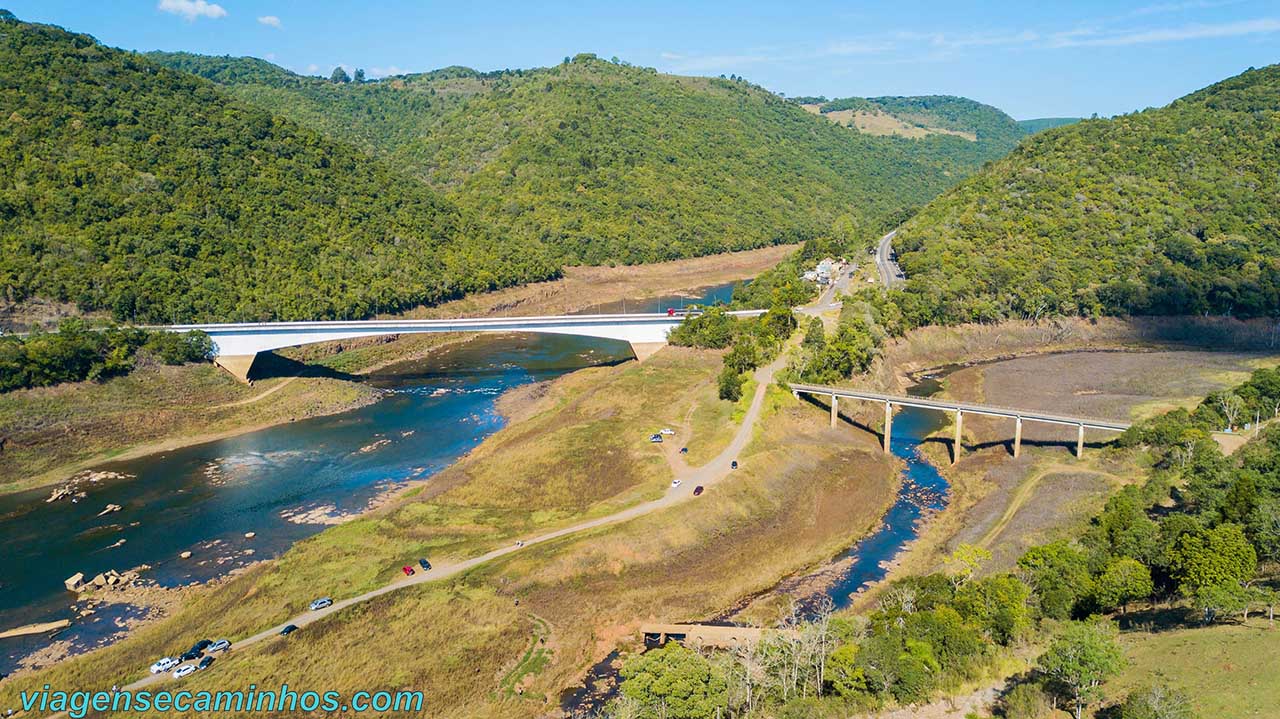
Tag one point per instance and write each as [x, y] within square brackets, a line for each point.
[855, 47]
[671, 56]
[1096, 38]
[189, 10]
[313, 69]
[270, 21]
[385, 71]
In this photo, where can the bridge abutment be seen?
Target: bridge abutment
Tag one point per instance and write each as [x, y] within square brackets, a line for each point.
[237, 365]
[955, 447]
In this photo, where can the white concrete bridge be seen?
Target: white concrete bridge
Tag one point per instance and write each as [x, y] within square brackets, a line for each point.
[236, 345]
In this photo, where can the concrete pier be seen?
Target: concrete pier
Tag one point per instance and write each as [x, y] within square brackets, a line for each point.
[955, 447]
[835, 410]
[888, 425]
[1017, 437]
[1080, 443]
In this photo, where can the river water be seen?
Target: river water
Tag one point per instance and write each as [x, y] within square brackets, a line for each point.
[283, 483]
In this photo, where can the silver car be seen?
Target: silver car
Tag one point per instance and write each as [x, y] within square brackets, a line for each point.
[321, 603]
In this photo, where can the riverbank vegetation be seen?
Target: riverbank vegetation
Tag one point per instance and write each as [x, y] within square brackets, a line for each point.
[1201, 536]
[75, 353]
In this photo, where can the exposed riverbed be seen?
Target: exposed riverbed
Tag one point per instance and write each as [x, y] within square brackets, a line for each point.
[282, 484]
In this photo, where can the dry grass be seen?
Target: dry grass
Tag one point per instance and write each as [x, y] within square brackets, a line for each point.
[882, 123]
[804, 492]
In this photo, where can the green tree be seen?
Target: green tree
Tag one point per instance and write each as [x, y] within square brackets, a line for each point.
[1059, 575]
[1218, 557]
[1157, 702]
[1081, 658]
[339, 75]
[814, 336]
[674, 682]
[730, 383]
[1123, 581]
[359, 76]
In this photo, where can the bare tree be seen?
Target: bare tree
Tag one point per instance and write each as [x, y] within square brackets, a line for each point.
[1231, 406]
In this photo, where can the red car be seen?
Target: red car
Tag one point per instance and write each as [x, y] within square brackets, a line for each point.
[408, 571]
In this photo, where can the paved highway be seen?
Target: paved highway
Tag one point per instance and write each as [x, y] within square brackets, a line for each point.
[890, 273]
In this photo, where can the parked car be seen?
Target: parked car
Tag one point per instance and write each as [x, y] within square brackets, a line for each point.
[697, 490]
[204, 663]
[733, 464]
[184, 670]
[408, 571]
[675, 483]
[164, 665]
[667, 431]
[221, 645]
[288, 629]
[320, 603]
[655, 438]
[191, 655]
[684, 450]
[426, 566]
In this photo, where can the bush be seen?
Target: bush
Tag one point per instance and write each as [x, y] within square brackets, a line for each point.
[1026, 701]
[730, 384]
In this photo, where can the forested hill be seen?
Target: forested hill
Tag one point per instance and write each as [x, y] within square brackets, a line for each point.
[924, 114]
[132, 188]
[607, 162]
[1169, 211]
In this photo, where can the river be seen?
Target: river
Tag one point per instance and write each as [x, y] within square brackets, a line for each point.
[923, 490]
[284, 483]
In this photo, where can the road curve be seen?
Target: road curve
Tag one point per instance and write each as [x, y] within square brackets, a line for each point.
[890, 273]
[705, 475]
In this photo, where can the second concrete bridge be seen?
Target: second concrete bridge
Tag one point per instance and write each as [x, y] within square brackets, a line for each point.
[960, 409]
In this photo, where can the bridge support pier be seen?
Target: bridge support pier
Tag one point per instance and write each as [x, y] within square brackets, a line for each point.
[835, 410]
[1017, 437]
[237, 365]
[888, 425]
[955, 447]
[1080, 442]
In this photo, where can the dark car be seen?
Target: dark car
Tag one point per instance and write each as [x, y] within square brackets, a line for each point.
[288, 629]
[684, 450]
[191, 655]
[697, 490]
[733, 464]
[426, 566]
[204, 663]
[202, 645]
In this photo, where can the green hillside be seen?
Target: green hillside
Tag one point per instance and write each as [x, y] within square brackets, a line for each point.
[991, 127]
[1169, 211]
[131, 188]
[605, 162]
[1031, 127]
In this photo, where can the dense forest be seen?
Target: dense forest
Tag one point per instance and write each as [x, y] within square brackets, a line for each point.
[1033, 126]
[605, 162]
[1167, 211]
[146, 192]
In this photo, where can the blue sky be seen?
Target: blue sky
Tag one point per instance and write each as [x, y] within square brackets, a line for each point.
[1033, 58]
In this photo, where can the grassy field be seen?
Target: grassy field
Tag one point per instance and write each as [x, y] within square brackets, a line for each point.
[804, 492]
[1228, 670]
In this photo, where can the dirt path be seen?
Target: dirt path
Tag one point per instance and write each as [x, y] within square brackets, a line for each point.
[260, 395]
[1023, 493]
[706, 475]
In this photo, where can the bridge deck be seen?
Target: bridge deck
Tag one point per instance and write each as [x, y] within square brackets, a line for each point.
[966, 407]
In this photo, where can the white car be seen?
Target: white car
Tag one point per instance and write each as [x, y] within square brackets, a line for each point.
[668, 431]
[675, 483]
[221, 645]
[184, 670]
[655, 438]
[164, 665]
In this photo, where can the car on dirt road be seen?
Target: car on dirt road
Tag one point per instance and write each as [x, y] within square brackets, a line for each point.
[426, 566]
[221, 645]
[408, 571]
[288, 629]
[675, 483]
[320, 603]
[697, 490]
[164, 665]
[184, 670]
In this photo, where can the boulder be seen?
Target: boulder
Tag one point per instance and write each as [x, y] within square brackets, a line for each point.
[185, 555]
[74, 582]
[250, 535]
[100, 581]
